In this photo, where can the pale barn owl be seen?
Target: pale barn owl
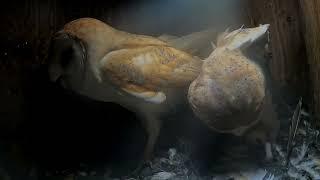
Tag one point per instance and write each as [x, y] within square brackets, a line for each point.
[141, 73]
[230, 94]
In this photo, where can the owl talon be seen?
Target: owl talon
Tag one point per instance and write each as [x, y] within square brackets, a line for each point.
[140, 167]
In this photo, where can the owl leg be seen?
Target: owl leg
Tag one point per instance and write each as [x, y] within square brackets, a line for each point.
[152, 126]
[268, 150]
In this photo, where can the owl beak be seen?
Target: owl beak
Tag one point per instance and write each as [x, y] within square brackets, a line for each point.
[55, 73]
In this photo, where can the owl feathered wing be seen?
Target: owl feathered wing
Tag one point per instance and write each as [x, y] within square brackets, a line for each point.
[147, 72]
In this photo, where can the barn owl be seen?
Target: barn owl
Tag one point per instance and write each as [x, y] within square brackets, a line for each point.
[141, 73]
[230, 95]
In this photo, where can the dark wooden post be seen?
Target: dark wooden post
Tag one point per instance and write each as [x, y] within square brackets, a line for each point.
[311, 19]
[288, 64]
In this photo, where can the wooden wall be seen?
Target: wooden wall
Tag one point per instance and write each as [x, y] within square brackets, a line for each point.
[288, 64]
[295, 41]
[311, 29]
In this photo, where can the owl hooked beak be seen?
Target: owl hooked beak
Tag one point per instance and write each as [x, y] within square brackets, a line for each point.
[56, 76]
[55, 73]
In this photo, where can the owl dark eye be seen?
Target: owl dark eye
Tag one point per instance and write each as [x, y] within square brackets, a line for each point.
[66, 57]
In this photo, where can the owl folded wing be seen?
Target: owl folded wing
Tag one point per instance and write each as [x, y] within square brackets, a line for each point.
[146, 72]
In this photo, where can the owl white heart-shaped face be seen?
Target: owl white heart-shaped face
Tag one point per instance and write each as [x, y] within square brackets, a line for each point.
[67, 58]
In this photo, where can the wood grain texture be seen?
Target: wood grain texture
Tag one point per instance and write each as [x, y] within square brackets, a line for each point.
[311, 19]
[288, 64]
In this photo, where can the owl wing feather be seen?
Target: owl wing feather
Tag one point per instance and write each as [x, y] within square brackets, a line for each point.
[146, 72]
